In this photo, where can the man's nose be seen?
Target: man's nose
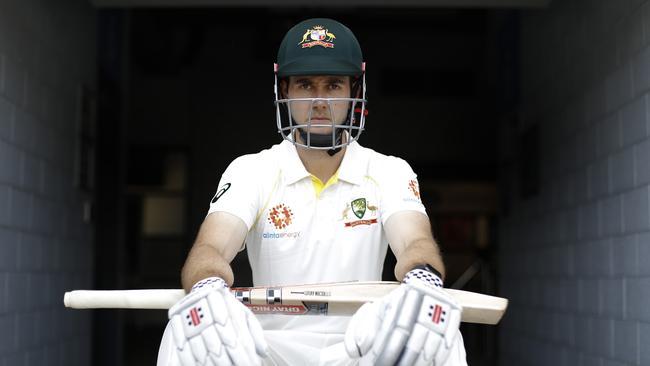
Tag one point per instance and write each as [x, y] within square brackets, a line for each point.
[320, 102]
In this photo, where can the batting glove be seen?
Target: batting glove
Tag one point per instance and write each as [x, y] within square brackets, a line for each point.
[416, 324]
[211, 327]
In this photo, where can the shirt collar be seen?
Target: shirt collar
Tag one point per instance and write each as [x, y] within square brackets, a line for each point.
[352, 168]
[292, 168]
[354, 164]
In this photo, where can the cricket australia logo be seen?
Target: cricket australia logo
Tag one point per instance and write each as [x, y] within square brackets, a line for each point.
[317, 36]
[280, 216]
[359, 207]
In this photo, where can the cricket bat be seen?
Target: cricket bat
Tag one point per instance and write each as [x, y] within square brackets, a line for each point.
[341, 298]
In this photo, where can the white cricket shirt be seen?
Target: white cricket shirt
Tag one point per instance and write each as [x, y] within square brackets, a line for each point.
[298, 235]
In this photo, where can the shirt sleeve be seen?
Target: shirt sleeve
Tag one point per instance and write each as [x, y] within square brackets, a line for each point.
[400, 190]
[237, 192]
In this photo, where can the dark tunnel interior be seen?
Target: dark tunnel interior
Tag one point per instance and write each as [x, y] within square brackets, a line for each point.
[182, 92]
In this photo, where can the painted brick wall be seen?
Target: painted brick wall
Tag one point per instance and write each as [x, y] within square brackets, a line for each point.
[46, 51]
[575, 258]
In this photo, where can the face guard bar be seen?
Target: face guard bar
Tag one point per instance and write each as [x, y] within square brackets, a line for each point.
[353, 124]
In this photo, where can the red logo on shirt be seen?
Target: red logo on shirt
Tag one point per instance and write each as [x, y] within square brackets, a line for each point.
[360, 222]
[415, 188]
[280, 216]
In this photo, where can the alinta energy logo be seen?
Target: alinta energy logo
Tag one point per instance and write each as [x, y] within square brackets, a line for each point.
[317, 36]
[281, 217]
[415, 188]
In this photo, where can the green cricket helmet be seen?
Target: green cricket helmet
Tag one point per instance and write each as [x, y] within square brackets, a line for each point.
[321, 47]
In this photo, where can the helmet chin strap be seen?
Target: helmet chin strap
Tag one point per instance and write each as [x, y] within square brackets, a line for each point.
[332, 152]
[322, 139]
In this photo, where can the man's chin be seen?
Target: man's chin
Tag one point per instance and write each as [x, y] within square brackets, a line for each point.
[317, 130]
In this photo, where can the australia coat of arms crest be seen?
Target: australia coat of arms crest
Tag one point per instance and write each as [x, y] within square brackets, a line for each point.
[317, 36]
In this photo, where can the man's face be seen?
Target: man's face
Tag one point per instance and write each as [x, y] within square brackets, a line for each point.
[322, 112]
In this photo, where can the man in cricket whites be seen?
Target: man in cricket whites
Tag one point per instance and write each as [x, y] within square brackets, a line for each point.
[316, 208]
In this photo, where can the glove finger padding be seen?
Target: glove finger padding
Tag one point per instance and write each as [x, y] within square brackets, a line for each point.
[369, 328]
[245, 348]
[361, 330]
[440, 315]
[210, 327]
[400, 328]
[189, 318]
[414, 346]
[416, 324]
[256, 331]
[216, 350]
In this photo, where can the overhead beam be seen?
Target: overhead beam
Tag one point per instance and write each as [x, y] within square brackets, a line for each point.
[321, 3]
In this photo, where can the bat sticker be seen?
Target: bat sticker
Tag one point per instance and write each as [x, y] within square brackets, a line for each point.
[312, 293]
[278, 309]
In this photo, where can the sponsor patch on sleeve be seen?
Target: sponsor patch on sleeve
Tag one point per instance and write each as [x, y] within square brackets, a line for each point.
[220, 192]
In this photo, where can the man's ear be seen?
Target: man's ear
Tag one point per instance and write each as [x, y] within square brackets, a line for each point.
[284, 87]
[355, 83]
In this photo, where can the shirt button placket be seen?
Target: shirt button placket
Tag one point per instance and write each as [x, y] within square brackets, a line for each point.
[316, 226]
[323, 216]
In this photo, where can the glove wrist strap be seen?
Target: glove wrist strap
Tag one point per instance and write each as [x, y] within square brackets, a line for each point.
[428, 267]
[211, 282]
[426, 273]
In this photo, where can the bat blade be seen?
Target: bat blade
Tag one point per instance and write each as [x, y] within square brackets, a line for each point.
[342, 298]
[480, 308]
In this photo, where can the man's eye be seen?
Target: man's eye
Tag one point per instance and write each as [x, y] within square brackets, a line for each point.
[304, 86]
[335, 86]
